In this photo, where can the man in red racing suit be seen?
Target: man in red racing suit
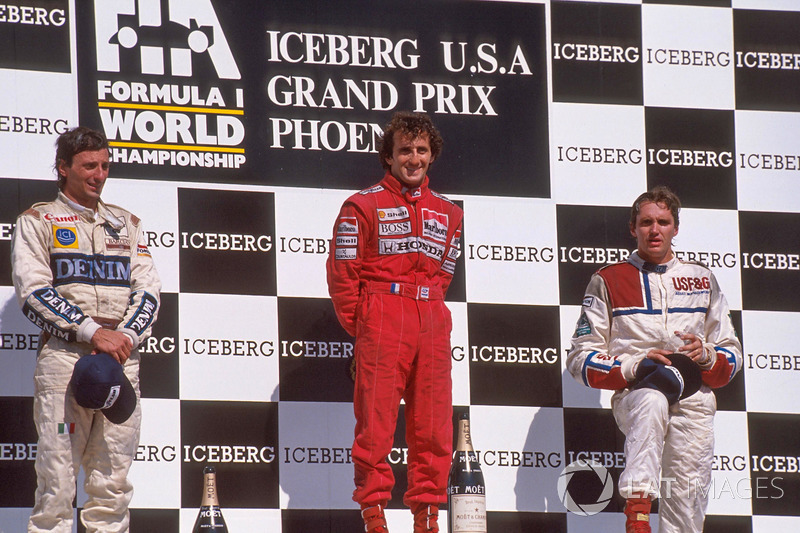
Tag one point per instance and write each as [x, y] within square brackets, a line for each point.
[392, 258]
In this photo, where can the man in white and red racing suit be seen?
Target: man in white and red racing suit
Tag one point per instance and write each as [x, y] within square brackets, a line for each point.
[633, 310]
[86, 278]
[392, 258]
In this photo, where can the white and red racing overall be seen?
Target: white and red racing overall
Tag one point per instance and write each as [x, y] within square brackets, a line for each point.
[392, 258]
[629, 309]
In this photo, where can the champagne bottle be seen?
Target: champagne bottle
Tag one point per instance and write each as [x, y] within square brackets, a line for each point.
[466, 492]
[209, 519]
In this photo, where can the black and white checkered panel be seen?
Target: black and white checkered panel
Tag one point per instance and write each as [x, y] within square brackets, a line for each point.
[238, 128]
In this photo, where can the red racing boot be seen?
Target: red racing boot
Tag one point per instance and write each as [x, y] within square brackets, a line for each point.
[426, 518]
[637, 509]
[374, 519]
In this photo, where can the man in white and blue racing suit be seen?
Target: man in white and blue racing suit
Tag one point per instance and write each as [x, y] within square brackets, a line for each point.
[83, 274]
[649, 307]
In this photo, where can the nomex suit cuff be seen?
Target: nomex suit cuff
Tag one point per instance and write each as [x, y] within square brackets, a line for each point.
[87, 329]
[628, 367]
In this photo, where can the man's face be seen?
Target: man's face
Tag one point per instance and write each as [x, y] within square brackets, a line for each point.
[410, 158]
[84, 179]
[654, 231]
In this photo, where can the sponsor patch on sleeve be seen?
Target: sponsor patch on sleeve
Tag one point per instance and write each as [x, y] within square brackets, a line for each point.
[583, 326]
[144, 314]
[347, 226]
[65, 237]
[588, 301]
[347, 240]
[449, 266]
[456, 242]
[453, 253]
[345, 253]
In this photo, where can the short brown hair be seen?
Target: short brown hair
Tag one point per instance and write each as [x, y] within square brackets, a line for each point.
[657, 195]
[74, 141]
[414, 125]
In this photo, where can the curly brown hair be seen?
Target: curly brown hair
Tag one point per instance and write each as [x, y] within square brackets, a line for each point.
[657, 195]
[414, 125]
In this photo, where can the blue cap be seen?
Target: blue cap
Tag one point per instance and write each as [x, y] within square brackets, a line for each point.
[677, 381]
[99, 382]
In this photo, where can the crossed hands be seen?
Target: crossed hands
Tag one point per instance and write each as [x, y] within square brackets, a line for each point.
[114, 343]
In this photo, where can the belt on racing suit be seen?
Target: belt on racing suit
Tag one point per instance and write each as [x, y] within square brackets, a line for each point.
[415, 292]
[105, 323]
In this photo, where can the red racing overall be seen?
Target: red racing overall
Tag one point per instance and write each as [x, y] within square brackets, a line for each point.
[392, 258]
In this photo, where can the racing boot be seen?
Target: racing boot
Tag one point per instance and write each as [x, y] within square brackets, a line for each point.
[426, 518]
[374, 519]
[637, 511]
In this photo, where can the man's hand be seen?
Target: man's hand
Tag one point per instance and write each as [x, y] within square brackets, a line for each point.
[692, 348]
[660, 356]
[114, 343]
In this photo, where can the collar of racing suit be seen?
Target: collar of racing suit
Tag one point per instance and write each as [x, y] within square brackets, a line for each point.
[103, 212]
[641, 264]
[411, 195]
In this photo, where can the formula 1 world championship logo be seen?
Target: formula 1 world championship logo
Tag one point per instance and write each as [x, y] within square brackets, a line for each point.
[168, 89]
[579, 484]
[166, 37]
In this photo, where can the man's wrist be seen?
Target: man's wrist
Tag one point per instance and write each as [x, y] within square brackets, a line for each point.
[628, 368]
[87, 329]
[709, 357]
[131, 335]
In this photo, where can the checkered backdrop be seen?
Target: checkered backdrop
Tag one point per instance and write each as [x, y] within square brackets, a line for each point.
[239, 127]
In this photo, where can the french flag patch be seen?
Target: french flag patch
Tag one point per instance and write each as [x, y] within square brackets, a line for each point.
[395, 288]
